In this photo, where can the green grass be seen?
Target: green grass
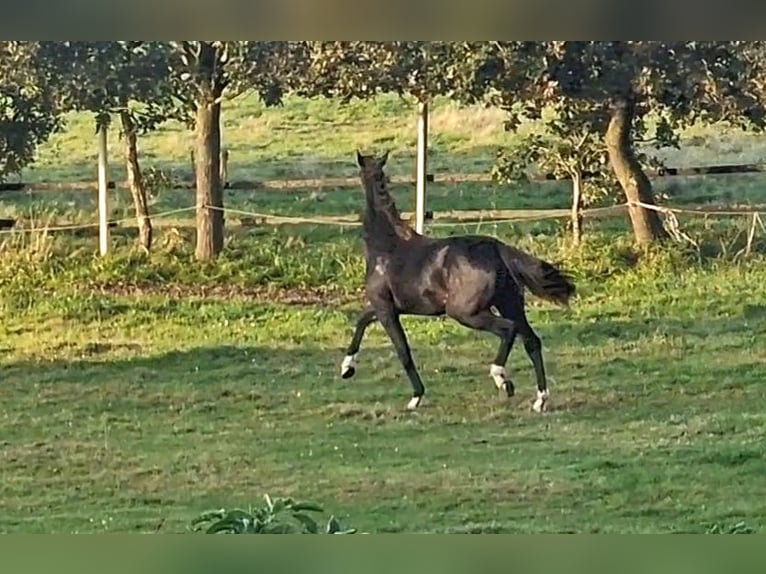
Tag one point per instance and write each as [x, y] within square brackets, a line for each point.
[140, 390]
[135, 411]
[317, 138]
[302, 139]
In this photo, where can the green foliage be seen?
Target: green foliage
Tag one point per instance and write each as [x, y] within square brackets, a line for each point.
[29, 112]
[277, 516]
[211, 71]
[595, 85]
[687, 81]
[566, 144]
[738, 528]
[33, 264]
[108, 77]
[158, 180]
[347, 70]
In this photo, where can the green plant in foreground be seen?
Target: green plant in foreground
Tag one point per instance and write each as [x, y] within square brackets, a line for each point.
[277, 516]
[738, 528]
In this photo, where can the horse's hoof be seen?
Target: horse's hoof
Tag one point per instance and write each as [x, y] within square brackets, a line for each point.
[414, 403]
[499, 377]
[506, 391]
[541, 403]
[348, 367]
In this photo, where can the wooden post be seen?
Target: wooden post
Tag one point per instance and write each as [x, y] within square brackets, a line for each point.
[103, 196]
[576, 215]
[224, 167]
[420, 199]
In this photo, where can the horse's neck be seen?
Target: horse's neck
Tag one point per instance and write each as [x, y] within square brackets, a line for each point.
[382, 215]
[380, 235]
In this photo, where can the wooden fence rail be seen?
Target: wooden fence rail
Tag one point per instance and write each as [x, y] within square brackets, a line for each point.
[341, 182]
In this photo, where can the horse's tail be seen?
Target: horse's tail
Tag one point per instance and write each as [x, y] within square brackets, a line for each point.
[540, 277]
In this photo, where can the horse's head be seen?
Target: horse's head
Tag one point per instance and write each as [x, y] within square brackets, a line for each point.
[372, 167]
[374, 179]
[379, 199]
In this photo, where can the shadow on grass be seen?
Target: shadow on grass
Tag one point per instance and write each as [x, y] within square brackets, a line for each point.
[593, 367]
[193, 428]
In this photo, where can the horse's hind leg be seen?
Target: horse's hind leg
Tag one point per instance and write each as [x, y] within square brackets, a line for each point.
[365, 318]
[497, 368]
[534, 348]
[513, 309]
[504, 329]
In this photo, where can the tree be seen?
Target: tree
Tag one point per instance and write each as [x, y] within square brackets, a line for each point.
[204, 74]
[416, 69]
[568, 144]
[29, 112]
[127, 78]
[345, 70]
[623, 82]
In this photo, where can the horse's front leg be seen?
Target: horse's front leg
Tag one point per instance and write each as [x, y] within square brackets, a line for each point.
[365, 318]
[389, 319]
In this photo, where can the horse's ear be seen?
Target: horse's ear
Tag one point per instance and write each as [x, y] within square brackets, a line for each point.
[384, 158]
[359, 158]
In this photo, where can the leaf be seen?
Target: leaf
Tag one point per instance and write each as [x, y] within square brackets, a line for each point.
[333, 525]
[278, 505]
[307, 507]
[308, 523]
[280, 528]
[237, 513]
[208, 516]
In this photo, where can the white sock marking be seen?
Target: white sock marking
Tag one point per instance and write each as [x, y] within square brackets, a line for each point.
[349, 362]
[414, 403]
[498, 375]
[542, 398]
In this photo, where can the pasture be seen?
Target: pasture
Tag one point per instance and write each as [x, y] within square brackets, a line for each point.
[140, 390]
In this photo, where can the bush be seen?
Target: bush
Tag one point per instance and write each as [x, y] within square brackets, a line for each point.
[277, 516]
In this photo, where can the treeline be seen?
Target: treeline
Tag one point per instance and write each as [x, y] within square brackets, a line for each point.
[590, 99]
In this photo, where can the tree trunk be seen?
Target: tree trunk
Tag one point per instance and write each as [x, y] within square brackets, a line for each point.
[576, 217]
[647, 225]
[136, 181]
[210, 222]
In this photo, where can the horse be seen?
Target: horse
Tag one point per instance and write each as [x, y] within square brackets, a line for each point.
[462, 277]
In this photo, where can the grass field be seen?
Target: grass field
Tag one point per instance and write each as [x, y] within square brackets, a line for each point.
[140, 390]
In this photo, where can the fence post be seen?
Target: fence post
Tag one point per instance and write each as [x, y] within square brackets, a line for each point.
[224, 167]
[103, 193]
[420, 198]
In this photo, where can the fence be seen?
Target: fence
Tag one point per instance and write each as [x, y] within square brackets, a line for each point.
[341, 182]
[443, 218]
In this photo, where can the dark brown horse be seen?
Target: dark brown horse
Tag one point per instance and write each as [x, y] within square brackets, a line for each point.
[463, 277]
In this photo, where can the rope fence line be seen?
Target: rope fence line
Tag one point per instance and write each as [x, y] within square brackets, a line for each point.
[674, 227]
[321, 220]
[664, 209]
[456, 217]
[75, 226]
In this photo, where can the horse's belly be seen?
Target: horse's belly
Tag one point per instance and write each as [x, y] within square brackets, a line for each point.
[419, 302]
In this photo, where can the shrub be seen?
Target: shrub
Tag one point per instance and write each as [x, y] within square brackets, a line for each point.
[277, 516]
